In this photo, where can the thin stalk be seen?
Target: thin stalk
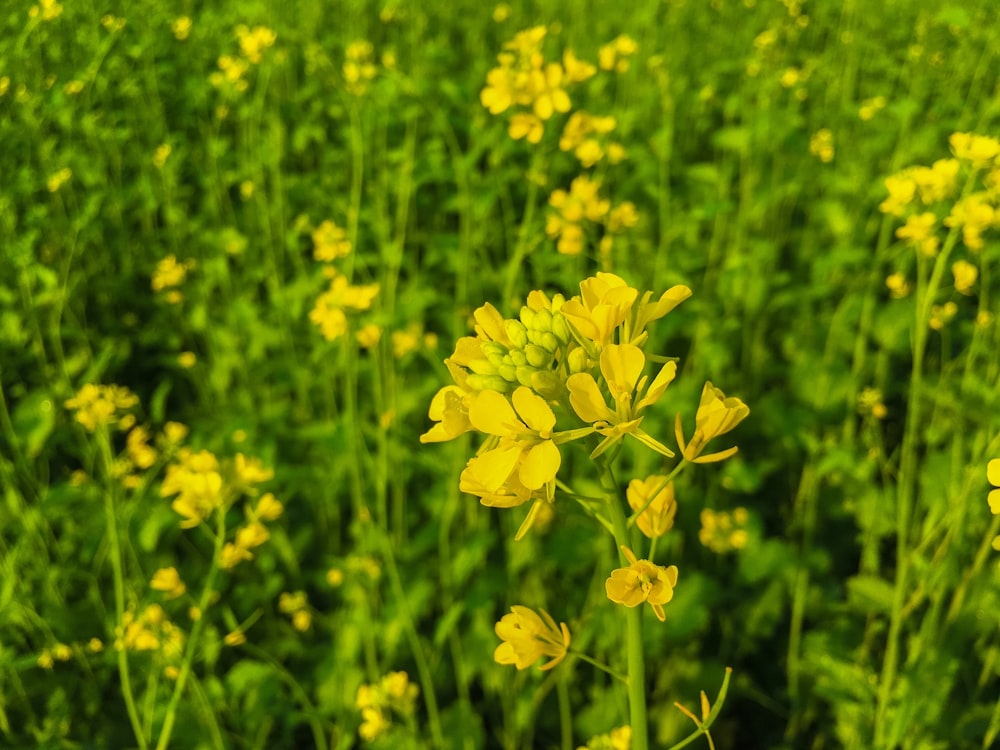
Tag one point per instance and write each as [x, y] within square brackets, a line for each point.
[633, 622]
[104, 443]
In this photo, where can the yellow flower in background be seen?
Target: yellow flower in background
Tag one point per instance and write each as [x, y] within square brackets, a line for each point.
[170, 273]
[330, 242]
[898, 286]
[616, 739]
[660, 509]
[942, 315]
[621, 366]
[870, 402]
[373, 724]
[528, 636]
[328, 312]
[359, 66]
[577, 71]
[181, 28]
[937, 182]
[723, 532]
[101, 405]
[161, 154]
[46, 10]
[254, 41]
[614, 55]
[981, 150]
[59, 179]
[138, 448]
[196, 481]
[974, 215]
[965, 276]
[268, 508]
[235, 638]
[250, 471]
[369, 335]
[527, 126]
[821, 145]
[642, 581]
[232, 555]
[168, 581]
[870, 107]
[993, 475]
[716, 416]
[919, 232]
[902, 191]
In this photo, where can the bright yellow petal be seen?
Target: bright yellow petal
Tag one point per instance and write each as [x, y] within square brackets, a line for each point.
[586, 399]
[491, 413]
[994, 501]
[490, 470]
[621, 365]
[663, 378]
[993, 472]
[540, 465]
[535, 412]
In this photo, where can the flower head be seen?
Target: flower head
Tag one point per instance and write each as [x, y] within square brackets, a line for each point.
[716, 416]
[642, 581]
[659, 510]
[528, 636]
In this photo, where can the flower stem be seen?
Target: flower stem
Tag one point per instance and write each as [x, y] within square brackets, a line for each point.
[104, 442]
[633, 634]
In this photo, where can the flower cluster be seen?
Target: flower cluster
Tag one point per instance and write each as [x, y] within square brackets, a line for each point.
[394, 693]
[584, 135]
[582, 359]
[582, 209]
[359, 67]
[723, 532]
[536, 87]
[330, 243]
[653, 499]
[168, 275]
[527, 636]
[616, 739]
[927, 198]
[152, 631]
[615, 54]
[296, 606]
[97, 405]
[231, 75]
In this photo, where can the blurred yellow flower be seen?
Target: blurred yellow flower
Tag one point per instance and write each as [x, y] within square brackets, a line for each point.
[196, 481]
[642, 581]
[46, 10]
[660, 509]
[168, 581]
[181, 27]
[235, 638]
[59, 179]
[981, 150]
[821, 145]
[965, 276]
[330, 242]
[993, 475]
[101, 404]
[528, 636]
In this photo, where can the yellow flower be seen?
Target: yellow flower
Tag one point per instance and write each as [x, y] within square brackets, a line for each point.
[965, 276]
[642, 581]
[254, 41]
[604, 303]
[369, 335]
[919, 232]
[621, 366]
[235, 638]
[169, 582]
[373, 724]
[981, 150]
[993, 475]
[450, 410]
[232, 555]
[526, 447]
[330, 242]
[268, 508]
[902, 190]
[328, 312]
[576, 70]
[252, 535]
[528, 636]
[660, 509]
[101, 405]
[716, 416]
[59, 179]
[614, 55]
[169, 273]
[898, 286]
[723, 532]
[821, 145]
[196, 481]
[187, 360]
[527, 126]
[181, 27]
[974, 214]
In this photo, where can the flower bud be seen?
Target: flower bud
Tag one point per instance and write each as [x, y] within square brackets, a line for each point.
[537, 356]
[524, 375]
[578, 360]
[508, 372]
[482, 367]
[516, 332]
[488, 383]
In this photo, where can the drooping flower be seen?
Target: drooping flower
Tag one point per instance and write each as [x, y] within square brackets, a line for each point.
[528, 636]
[716, 416]
[642, 581]
[168, 581]
[659, 510]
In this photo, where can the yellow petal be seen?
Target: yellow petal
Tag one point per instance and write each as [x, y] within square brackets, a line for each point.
[994, 501]
[993, 472]
[621, 366]
[491, 413]
[540, 465]
[663, 378]
[490, 470]
[586, 399]
[535, 412]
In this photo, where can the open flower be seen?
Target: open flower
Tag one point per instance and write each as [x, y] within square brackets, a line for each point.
[716, 416]
[528, 636]
[642, 581]
[993, 474]
[621, 366]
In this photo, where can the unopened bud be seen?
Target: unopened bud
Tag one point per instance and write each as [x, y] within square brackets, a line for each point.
[516, 332]
[537, 356]
[578, 360]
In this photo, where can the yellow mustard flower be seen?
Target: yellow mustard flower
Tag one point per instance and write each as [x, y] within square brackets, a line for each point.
[621, 366]
[528, 636]
[102, 405]
[936, 182]
[328, 312]
[723, 532]
[974, 215]
[168, 581]
[993, 475]
[330, 242]
[254, 41]
[902, 191]
[659, 510]
[942, 315]
[716, 416]
[821, 145]
[898, 286]
[196, 481]
[181, 28]
[268, 508]
[965, 276]
[981, 150]
[235, 638]
[642, 581]
[919, 232]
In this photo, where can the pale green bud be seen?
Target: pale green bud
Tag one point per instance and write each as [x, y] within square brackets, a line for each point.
[542, 321]
[489, 383]
[527, 317]
[560, 329]
[517, 357]
[537, 356]
[482, 367]
[547, 385]
[578, 360]
[508, 372]
[548, 340]
[524, 375]
[516, 332]
[492, 347]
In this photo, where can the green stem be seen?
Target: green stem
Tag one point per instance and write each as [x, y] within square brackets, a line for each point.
[199, 625]
[601, 666]
[104, 443]
[633, 633]
[703, 728]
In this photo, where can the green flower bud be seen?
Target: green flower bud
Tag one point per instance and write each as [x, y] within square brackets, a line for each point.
[560, 329]
[489, 383]
[547, 385]
[492, 347]
[517, 358]
[507, 372]
[578, 360]
[482, 367]
[524, 375]
[516, 332]
[542, 321]
[537, 356]
[527, 317]
[548, 340]
[496, 359]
